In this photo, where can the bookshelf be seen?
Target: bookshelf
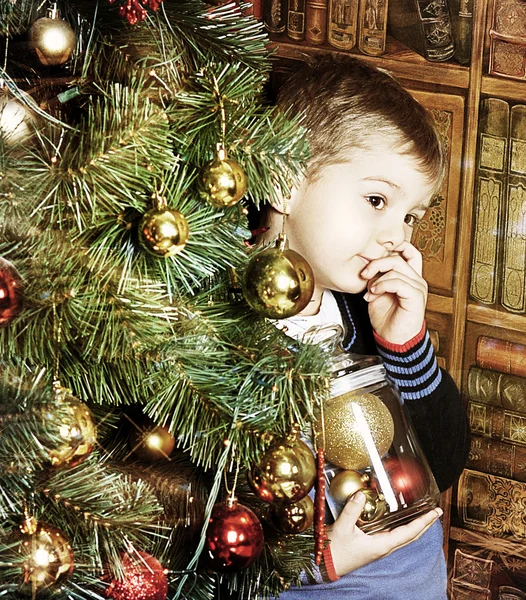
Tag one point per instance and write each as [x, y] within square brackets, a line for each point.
[459, 318]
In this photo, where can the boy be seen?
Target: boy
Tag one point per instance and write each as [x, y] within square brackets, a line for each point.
[375, 165]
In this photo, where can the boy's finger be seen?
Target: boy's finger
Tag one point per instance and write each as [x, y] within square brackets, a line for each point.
[401, 536]
[352, 510]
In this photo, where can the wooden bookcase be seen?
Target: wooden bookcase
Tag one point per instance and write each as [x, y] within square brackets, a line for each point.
[458, 90]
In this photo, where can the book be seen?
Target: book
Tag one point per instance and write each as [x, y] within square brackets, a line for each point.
[461, 12]
[342, 23]
[501, 355]
[460, 592]
[296, 20]
[424, 26]
[316, 21]
[490, 188]
[497, 423]
[491, 504]
[275, 15]
[507, 592]
[507, 56]
[372, 26]
[513, 293]
[500, 389]
[472, 576]
[498, 458]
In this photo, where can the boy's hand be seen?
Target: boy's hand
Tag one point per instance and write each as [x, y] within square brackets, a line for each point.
[397, 294]
[351, 548]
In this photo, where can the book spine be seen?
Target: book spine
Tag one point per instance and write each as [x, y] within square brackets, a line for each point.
[513, 294]
[469, 570]
[500, 389]
[372, 26]
[461, 592]
[296, 20]
[507, 592]
[424, 26]
[275, 15]
[500, 355]
[497, 423]
[492, 504]
[507, 47]
[498, 458]
[462, 27]
[342, 23]
[316, 21]
[489, 199]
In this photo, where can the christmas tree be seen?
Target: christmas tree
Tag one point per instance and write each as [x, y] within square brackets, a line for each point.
[140, 382]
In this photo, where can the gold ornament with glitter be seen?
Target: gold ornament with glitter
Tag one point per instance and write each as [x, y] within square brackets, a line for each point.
[346, 417]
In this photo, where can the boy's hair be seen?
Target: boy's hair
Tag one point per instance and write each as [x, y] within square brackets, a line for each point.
[347, 105]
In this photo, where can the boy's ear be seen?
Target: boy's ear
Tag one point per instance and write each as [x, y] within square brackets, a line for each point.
[284, 205]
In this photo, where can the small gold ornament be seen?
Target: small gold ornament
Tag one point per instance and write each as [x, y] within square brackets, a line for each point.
[52, 38]
[286, 473]
[46, 554]
[352, 420]
[278, 282]
[15, 120]
[163, 231]
[222, 182]
[293, 518]
[344, 484]
[76, 429]
[374, 507]
[150, 441]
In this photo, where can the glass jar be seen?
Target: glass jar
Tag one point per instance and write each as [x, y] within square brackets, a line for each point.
[369, 442]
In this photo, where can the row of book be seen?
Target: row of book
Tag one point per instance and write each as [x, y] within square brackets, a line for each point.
[436, 29]
[491, 492]
[498, 271]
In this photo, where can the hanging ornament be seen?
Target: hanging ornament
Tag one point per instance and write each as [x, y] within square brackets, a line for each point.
[75, 426]
[15, 119]
[143, 578]
[234, 537]
[150, 441]
[46, 554]
[407, 477]
[293, 518]
[345, 483]
[163, 231]
[222, 182]
[278, 282]
[374, 507]
[320, 495]
[135, 10]
[346, 443]
[52, 38]
[286, 473]
[11, 299]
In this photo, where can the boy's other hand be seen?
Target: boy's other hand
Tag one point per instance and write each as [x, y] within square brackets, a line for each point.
[397, 294]
[351, 548]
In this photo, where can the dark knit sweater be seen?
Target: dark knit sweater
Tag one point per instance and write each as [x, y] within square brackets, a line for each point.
[416, 571]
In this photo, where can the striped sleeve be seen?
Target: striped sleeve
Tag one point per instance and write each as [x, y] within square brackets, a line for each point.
[322, 574]
[412, 366]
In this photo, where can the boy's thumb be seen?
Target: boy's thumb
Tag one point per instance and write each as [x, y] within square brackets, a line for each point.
[353, 508]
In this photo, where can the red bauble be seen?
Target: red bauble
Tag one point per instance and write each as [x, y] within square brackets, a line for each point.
[144, 579]
[10, 292]
[234, 538]
[408, 478]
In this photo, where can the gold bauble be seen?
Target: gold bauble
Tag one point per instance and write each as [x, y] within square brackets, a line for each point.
[346, 483]
[53, 40]
[151, 442]
[47, 557]
[163, 231]
[15, 120]
[293, 518]
[345, 442]
[286, 473]
[374, 507]
[278, 282]
[222, 182]
[76, 430]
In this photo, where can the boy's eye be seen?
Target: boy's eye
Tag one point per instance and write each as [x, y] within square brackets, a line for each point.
[376, 202]
[411, 220]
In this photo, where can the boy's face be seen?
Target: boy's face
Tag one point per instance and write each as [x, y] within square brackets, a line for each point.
[354, 213]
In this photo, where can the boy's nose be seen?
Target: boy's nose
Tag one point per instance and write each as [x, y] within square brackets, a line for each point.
[391, 237]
